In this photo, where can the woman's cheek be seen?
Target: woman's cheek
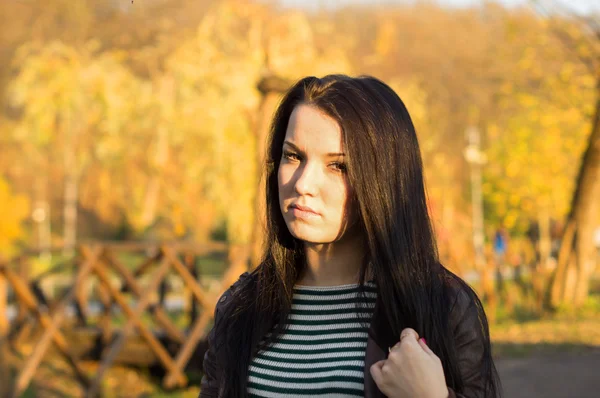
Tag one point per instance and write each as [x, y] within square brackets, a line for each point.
[284, 175]
[337, 197]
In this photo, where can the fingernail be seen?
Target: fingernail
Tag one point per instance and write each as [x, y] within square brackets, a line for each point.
[423, 338]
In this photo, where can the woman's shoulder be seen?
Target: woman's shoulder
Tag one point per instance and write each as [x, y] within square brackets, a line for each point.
[463, 300]
[231, 291]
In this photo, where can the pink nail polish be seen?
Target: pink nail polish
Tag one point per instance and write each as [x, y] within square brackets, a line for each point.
[423, 338]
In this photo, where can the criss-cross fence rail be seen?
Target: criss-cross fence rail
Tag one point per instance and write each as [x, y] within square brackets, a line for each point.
[115, 302]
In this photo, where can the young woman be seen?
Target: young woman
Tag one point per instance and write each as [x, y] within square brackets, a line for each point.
[350, 299]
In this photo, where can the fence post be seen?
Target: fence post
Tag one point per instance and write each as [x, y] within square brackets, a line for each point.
[189, 300]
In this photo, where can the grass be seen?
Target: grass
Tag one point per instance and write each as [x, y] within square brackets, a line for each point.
[545, 336]
[212, 264]
[524, 331]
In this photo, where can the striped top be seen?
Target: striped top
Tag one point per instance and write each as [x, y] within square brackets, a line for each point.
[322, 352]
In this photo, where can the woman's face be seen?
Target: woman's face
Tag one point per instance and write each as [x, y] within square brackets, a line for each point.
[314, 193]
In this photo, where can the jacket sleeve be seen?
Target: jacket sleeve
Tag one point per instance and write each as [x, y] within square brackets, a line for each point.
[210, 383]
[469, 341]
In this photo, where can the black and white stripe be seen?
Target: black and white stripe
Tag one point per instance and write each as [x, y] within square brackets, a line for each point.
[322, 352]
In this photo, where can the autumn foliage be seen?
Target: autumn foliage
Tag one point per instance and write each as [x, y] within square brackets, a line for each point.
[141, 118]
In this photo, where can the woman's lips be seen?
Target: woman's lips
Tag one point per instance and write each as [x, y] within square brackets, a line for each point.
[303, 212]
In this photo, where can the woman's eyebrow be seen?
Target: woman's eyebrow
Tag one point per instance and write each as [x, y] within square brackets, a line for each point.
[301, 152]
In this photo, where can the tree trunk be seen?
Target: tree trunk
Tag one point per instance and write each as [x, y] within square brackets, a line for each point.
[489, 291]
[557, 285]
[578, 236]
[71, 132]
[152, 196]
[70, 200]
[585, 255]
[150, 202]
[542, 271]
[544, 244]
[166, 88]
[267, 107]
[271, 89]
[5, 371]
[41, 216]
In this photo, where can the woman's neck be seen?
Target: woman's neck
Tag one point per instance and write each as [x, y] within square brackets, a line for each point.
[333, 264]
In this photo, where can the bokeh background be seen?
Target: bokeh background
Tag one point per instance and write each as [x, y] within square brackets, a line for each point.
[144, 121]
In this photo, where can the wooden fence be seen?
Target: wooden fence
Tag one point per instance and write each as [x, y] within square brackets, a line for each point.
[139, 291]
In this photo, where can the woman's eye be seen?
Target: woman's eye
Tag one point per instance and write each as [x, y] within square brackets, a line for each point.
[290, 156]
[339, 166]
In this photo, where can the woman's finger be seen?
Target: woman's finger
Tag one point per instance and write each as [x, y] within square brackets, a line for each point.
[409, 332]
[376, 372]
[425, 347]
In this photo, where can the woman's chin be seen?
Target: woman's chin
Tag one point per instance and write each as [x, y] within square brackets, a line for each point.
[306, 234]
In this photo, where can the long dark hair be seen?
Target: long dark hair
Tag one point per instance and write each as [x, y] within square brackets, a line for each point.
[385, 171]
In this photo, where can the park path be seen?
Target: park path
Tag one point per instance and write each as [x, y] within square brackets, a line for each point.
[560, 375]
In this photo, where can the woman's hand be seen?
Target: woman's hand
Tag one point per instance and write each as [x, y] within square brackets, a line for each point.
[411, 370]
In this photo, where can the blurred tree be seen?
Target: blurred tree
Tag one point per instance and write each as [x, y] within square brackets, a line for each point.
[63, 95]
[220, 64]
[14, 210]
[541, 112]
[576, 260]
[163, 106]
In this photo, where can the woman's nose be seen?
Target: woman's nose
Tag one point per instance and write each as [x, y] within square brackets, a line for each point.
[308, 179]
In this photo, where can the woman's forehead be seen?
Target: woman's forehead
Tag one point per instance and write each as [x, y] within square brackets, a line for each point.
[309, 129]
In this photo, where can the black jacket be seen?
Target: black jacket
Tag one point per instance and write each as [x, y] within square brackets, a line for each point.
[464, 321]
